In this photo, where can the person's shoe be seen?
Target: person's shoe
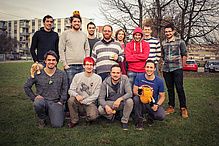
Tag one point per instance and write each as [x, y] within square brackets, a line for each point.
[67, 115]
[72, 125]
[139, 125]
[42, 124]
[125, 126]
[184, 112]
[89, 123]
[150, 122]
[169, 110]
[109, 121]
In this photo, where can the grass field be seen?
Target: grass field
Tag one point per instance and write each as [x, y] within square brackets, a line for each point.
[19, 123]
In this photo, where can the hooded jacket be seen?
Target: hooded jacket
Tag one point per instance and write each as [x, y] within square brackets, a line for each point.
[137, 53]
[107, 92]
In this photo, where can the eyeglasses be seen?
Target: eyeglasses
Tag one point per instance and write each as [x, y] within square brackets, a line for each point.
[168, 31]
[109, 31]
[89, 65]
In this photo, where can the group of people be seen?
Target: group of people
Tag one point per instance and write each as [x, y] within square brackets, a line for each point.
[104, 77]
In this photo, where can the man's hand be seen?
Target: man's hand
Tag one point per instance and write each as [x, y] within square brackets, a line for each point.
[109, 111]
[117, 103]
[38, 96]
[79, 98]
[155, 107]
[66, 67]
[60, 103]
[116, 57]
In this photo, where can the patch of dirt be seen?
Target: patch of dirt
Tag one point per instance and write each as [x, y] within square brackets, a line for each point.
[199, 74]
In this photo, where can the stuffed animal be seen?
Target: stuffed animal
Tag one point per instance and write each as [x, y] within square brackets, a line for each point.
[147, 95]
[35, 68]
[76, 13]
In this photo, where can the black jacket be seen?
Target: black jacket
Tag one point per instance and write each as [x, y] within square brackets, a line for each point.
[44, 41]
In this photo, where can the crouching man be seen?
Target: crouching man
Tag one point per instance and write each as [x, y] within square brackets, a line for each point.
[84, 91]
[51, 92]
[153, 86]
[115, 95]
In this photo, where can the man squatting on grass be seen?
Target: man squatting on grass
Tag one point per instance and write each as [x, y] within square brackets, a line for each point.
[84, 91]
[115, 94]
[156, 86]
[51, 92]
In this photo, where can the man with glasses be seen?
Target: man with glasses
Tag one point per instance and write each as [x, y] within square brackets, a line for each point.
[44, 40]
[174, 54]
[51, 92]
[84, 91]
[107, 52]
[73, 48]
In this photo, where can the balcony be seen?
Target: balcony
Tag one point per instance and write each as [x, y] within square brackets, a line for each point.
[25, 34]
[24, 26]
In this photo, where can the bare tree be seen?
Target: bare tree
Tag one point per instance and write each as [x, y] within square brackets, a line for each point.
[195, 20]
[7, 44]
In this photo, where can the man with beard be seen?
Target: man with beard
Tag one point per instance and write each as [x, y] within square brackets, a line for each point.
[44, 40]
[107, 52]
[174, 54]
[84, 91]
[73, 48]
[155, 86]
[91, 37]
[115, 96]
[51, 92]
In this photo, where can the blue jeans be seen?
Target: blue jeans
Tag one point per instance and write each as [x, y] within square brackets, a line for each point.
[175, 78]
[104, 75]
[45, 107]
[70, 73]
[132, 75]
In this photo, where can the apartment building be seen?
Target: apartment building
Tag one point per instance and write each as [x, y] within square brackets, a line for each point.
[23, 30]
[203, 52]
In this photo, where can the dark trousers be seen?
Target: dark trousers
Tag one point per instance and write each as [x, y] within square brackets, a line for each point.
[141, 108]
[175, 78]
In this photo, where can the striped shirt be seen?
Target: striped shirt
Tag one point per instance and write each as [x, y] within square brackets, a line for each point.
[155, 51]
[172, 54]
[101, 53]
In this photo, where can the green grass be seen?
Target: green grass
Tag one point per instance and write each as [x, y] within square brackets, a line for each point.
[19, 123]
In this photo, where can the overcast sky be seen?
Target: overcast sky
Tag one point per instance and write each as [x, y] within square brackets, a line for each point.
[30, 9]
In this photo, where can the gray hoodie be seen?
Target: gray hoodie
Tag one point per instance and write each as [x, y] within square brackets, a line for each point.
[107, 92]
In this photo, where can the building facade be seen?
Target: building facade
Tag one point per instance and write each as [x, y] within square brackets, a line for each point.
[23, 30]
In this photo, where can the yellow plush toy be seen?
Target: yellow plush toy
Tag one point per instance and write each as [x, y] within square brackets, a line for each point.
[147, 96]
[76, 13]
[35, 68]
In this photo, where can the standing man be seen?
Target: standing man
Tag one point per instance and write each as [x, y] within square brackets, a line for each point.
[116, 94]
[107, 52]
[91, 27]
[136, 54]
[73, 48]
[84, 91]
[155, 51]
[155, 86]
[174, 54]
[51, 92]
[44, 40]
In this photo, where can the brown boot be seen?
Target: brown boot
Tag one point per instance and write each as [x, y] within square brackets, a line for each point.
[169, 110]
[184, 112]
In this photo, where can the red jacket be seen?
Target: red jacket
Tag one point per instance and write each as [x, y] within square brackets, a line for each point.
[137, 53]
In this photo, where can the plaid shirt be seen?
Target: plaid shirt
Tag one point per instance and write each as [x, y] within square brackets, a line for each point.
[172, 54]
